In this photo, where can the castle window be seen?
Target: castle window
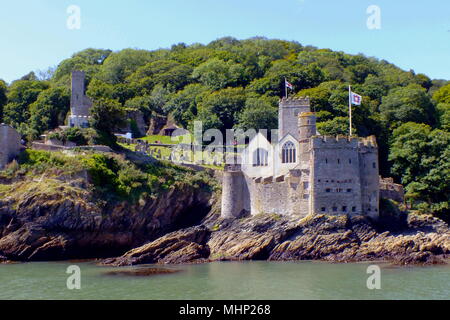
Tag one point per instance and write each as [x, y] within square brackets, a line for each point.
[305, 185]
[339, 161]
[350, 161]
[306, 196]
[349, 190]
[354, 209]
[328, 190]
[326, 160]
[324, 209]
[335, 209]
[289, 153]
[260, 158]
[374, 165]
[344, 209]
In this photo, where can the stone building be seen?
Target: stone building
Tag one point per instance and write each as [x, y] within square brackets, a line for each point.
[10, 145]
[80, 104]
[303, 172]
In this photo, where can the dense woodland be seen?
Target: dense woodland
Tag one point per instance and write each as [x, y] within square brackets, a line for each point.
[237, 84]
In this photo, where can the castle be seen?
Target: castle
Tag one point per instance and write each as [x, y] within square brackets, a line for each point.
[80, 104]
[303, 172]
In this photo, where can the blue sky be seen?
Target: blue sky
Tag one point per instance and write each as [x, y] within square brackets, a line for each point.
[413, 35]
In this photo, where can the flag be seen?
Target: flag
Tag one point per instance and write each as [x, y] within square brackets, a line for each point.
[356, 99]
[289, 85]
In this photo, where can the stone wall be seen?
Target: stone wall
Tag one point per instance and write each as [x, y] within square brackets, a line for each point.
[369, 171]
[10, 145]
[336, 184]
[391, 190]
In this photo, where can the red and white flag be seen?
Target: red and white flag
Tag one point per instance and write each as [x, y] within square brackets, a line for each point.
[356, 99]
[289, 85]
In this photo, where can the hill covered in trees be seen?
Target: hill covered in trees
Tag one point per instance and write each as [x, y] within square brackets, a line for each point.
[233, 83]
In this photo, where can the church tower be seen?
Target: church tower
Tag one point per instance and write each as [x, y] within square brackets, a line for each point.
[289, 110]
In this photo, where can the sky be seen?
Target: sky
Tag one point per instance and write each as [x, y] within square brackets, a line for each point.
[413, 34]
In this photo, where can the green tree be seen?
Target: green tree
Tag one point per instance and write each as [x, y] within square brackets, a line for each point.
[49, 110]
[420, 158]
[184, 105]
[224, 106]
[258, 114]
[442, 95]
[21, 95]
[443, 111]
[120, 65]
[218, 74]
[88, 60]
[106, 117]
[334, 127]
[408, 104]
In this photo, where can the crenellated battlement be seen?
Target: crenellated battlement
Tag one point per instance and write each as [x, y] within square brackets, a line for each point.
[344, 142]
[295, 102]
[334, 142]
[369, 142]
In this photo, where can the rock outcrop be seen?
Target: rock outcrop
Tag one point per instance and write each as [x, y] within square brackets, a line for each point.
[275, 238]
[56, 220]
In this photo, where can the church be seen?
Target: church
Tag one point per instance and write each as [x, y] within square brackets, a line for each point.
[303, 172]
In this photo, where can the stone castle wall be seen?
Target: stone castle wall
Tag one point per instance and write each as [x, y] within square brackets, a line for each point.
[336, 186]
[369, 170]
[391, 190]
[10, 145]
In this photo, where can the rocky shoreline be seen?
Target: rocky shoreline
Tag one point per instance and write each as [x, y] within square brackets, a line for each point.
[183, 225]
[343, 239]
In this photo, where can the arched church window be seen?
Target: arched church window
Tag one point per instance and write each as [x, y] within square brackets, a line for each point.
[289, 153]
[260, 158]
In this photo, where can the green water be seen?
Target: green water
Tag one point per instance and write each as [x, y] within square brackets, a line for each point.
[244, 280]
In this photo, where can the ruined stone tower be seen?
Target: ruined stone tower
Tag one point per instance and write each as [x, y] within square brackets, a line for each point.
[80, 104]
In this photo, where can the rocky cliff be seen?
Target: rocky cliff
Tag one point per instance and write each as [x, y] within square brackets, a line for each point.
[55, 220]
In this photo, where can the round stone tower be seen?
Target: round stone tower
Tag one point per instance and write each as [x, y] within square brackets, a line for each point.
[234, 196]
[307, 125]
[307, 129]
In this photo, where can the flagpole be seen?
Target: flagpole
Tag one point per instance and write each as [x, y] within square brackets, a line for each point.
[350, 108]
[285, 87]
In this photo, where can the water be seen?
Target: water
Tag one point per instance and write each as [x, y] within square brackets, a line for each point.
[242, 280]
